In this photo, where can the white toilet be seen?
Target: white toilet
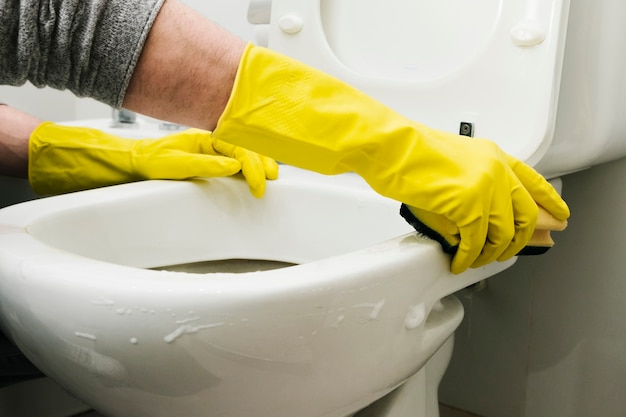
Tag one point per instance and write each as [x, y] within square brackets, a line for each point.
[81, 299]
[194, 298]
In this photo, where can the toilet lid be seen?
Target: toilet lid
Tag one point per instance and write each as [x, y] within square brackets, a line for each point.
[490, 68]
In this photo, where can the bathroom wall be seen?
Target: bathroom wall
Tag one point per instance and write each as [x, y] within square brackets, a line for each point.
[548, 337]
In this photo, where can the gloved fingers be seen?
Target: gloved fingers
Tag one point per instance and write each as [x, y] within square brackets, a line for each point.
[271, 167]
[501, 232]
[203, 156]
[213, 166]
[189, 140]
[268, 164]
[183, 165]
[473, 236]
[540, 190]
[526, 212]
[254, 172]
[252, 166]
[223, 148]
[256, 168]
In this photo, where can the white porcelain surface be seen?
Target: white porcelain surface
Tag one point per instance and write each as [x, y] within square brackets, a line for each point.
[78, 298]
[590, 122]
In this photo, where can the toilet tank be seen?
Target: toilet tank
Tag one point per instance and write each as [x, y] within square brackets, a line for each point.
[590, 122]
[544, 79]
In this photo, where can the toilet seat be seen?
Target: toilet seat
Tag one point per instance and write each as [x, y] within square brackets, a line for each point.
[78, 299]
[504, 81]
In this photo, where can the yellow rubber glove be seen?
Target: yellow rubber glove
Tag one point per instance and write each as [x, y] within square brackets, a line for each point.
[301, 116]
[65, 158]
[441, 229]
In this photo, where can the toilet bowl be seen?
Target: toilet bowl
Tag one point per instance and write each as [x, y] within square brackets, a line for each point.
[194, 298]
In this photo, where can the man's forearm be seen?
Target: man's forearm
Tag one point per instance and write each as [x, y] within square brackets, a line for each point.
[186, 70]
[157, 57]
[15, 129]
[185, 74]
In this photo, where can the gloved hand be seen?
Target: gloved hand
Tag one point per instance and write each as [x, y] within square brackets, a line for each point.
[65, 158]
[301, 116]
[441, 229]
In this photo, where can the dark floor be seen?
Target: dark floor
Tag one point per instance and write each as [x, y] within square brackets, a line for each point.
[444, 412]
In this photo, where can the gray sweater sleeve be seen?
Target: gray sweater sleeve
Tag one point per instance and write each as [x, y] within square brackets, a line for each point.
[90, 47]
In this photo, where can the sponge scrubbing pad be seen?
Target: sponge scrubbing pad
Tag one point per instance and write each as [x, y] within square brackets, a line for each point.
[444, 231]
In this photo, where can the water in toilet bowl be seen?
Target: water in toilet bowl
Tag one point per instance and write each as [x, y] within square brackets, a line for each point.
[226, 265]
